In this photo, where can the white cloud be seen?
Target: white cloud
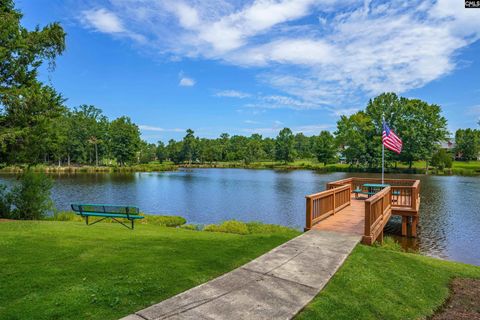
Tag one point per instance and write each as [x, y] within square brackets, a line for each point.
[232, 94]
[312, 129]
[344, 111]
[286, 51]
[325, 54]
[103, 21]
[186, 82]
[106, 21]
[159, 129]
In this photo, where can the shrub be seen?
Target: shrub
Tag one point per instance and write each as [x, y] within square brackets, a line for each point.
[31, 198]
[258, 227]
[5, 202]
[389, 244]
[441, 159]
[191, 227]
[238, 227]
[168, 221]
[231, 226]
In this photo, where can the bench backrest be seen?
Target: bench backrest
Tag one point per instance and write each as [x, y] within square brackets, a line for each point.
[105, 208]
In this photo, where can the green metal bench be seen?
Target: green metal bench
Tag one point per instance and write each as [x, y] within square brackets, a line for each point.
[105, 211]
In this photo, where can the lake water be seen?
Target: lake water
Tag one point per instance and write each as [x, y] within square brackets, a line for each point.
[449, 224]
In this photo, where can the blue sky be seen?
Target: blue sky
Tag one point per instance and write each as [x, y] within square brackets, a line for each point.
[246, 67]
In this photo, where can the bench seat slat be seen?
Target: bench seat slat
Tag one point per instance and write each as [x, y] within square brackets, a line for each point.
[109, 215]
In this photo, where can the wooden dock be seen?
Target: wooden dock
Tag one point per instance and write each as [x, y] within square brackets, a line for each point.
[351, 219]
[338, 209]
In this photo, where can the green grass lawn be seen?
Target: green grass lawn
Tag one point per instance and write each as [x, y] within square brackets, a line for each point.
[375, 283]
[66, 270]
[473, 165]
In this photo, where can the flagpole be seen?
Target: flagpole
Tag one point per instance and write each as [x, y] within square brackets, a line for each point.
[383, 161]
[383, 151]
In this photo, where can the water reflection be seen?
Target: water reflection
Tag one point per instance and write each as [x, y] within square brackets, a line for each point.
[449, 225]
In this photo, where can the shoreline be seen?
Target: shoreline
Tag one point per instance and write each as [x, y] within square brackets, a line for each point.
[298, 165]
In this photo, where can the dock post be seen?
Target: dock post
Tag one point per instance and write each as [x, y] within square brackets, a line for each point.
[414, 226]
[380, 238]
[308, 223]
[404, 226]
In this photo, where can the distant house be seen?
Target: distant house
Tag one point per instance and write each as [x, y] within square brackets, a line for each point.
[448, 145]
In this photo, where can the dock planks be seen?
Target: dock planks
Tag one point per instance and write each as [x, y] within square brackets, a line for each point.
[350, 219]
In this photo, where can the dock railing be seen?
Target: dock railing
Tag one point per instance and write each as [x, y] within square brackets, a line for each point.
[378, 210]
[405, 193]
[323, 204]
[401, 197]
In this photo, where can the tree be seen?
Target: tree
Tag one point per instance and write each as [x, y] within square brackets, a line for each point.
[269, 148]
[174, 149]
[27, 125]
[420, 125]
[254, 150]
[189, 146]
[26, 106]
[303, 146]
[89, 133]
[325, 147]
[209, 150]
[23, 51]
[147, 152]
[285, 146]
[224, 144]
[161, 152]
[124, 140]
[237, 149]
[354, 135]
[467, 144]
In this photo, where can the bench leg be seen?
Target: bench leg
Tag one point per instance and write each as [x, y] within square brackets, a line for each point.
[96, 221]
[133, 224]
[123, 224]
[86, 220]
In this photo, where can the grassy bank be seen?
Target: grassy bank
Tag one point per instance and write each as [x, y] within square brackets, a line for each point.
[375, 283]
[458, 168]
[149, 167]
[66, 270]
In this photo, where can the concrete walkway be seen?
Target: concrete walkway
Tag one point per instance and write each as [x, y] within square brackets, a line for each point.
[276, 285]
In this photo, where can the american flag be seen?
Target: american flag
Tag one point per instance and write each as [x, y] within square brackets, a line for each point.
[390, 139]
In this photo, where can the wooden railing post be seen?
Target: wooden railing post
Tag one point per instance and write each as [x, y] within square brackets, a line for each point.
[368, 222]
[308, 224]
[334, 199]
[414, 198]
